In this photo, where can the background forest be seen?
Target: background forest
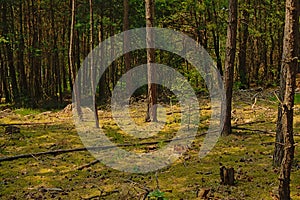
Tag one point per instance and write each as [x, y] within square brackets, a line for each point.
[35, 43]
[255, 47]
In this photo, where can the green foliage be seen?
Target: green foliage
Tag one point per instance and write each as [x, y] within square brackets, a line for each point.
[27, 111]
[157, 194]
[297, 98]
[3, 40]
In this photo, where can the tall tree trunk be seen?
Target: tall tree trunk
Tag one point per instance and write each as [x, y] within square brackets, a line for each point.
[229, 64]
[63, 56]
[288, 83]
[21, 66]
[3, 78]
[102, 81]
[55, 56]
[216, 39]
[71, 63]
[113, 67]
[93, 69]
[243, 47]
[9, 54]
[126, 42]
[37, 52]
[152, 98]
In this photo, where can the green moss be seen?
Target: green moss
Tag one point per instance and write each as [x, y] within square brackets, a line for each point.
[27, 111]
[249, 152]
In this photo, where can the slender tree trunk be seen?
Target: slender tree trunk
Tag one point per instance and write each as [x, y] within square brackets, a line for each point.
[55, 56]
[21, 66]
[271, 55]
[10, 55]
[152, 98]
[126, 41]
[93, 69]
[288, 84]
[71, 65]
[102, 82]
[63, 64]
[3, 78]
[229, 64]
[37, 89]
[113, 67]
[216, 38]
[243, 48]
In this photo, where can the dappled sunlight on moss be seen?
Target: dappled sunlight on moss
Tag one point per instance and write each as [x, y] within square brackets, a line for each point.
[249, 152]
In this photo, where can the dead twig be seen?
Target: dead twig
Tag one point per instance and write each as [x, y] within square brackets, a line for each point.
[87, 165]
[254, 130]
[270, 143]
[277, 98]
[51, 189]
[255, 99]
[61, 151]
[27, 124]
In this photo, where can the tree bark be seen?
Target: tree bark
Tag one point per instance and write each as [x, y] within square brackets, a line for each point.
[126, 42]
[9, 54]
[21, 66]
[229, 65]
[93, 69]
[71, 63]
[243, 48]
[288, 83]
[152, 98]
[216, 38]
[102, 81]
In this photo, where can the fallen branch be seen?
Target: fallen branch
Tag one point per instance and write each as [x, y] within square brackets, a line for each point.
[51, 189]
[254, 130]
[55, 152]
[42, 189]
[27, 124]
[271, 143]
[250, 123]
[61, 151]
[87, 165]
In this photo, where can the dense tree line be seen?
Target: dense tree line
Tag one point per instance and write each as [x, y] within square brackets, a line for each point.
[36, 39]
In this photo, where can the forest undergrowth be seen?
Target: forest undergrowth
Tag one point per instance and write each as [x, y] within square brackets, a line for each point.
[76, 175]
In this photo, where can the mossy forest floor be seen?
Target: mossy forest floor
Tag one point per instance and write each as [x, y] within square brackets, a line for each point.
[248, 150]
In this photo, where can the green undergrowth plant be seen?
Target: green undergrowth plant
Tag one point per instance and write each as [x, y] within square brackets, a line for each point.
[157, 195]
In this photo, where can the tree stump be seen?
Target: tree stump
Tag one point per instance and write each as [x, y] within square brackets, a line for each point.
[227, 176]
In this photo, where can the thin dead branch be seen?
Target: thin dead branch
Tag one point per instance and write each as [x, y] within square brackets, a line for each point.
[61, 151]
[253, 130]
[27, 124]
[87, 165]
